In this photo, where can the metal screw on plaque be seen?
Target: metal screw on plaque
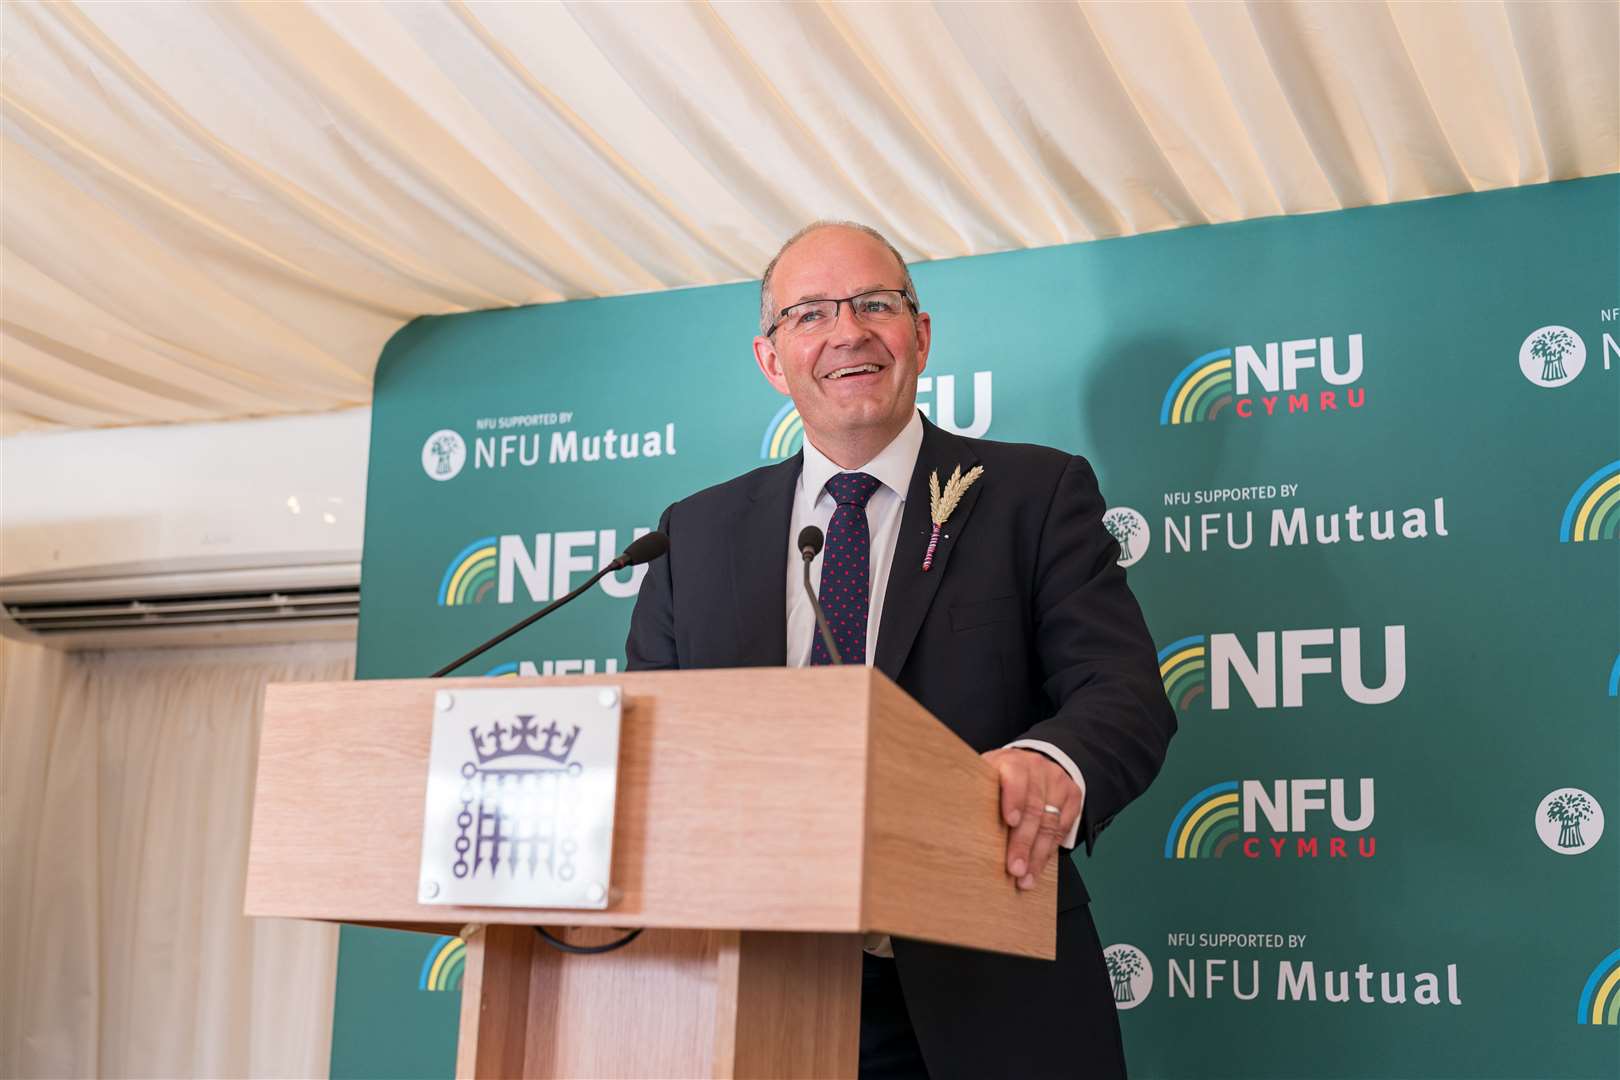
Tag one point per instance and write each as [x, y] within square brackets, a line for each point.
[595, 894]
[607, 698]
[430, 889]
[444, 700]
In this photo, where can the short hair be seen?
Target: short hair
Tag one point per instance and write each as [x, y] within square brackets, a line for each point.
[767, 302]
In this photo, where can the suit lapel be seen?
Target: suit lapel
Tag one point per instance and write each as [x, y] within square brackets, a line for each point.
[759, 567]
[911, 591]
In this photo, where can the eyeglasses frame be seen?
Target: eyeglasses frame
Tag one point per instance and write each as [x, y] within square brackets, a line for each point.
[911, 302]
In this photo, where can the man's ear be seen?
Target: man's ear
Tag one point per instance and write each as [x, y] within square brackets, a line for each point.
[925, 338]
[770, 365]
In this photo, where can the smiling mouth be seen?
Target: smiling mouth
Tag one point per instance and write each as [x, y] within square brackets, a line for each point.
[853, 370]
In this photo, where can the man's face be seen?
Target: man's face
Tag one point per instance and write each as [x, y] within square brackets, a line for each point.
[815, 368]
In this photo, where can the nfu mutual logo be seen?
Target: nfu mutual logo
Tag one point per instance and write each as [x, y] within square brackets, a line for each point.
[1304, 375]
[1275, 671]
[936, 399]
[1552, 356]
[1569, 821]
[444, 454]
[1131, 973]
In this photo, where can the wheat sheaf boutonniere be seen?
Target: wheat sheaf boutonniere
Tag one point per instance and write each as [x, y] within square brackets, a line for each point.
[941, 504]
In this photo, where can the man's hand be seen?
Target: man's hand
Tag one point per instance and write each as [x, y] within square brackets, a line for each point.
[1030, 782]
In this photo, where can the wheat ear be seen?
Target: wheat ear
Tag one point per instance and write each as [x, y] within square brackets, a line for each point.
[955, 488]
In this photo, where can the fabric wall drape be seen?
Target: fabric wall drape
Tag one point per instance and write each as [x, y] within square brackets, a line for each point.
[225, 209]
[126, 786]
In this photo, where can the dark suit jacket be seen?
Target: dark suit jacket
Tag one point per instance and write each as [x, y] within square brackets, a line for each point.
[1023, 628]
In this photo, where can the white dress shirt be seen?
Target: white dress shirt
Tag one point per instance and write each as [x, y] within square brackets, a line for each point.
[812, 505]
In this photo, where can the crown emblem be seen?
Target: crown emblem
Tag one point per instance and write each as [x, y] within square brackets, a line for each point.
[523, 738]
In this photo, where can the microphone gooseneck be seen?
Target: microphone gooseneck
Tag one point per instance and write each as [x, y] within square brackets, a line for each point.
[810, 542]
[643, 549]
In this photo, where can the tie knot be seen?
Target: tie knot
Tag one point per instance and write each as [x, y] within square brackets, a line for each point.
[852, 488]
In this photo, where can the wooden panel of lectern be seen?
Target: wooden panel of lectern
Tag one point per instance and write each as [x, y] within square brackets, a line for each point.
[766, 818]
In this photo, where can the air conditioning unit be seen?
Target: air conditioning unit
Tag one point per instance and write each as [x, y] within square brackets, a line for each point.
[199, 534]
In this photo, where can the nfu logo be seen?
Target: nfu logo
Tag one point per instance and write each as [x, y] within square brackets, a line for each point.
[936, 399]
[1552, 356]
[1247, 382]
[492, 567]
[443, 455]
[1131, 973]
[1234, 815]
[1202, 663]
[1130, 531]
[1569, 821]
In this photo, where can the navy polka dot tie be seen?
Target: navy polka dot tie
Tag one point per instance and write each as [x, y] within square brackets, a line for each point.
[844, 577]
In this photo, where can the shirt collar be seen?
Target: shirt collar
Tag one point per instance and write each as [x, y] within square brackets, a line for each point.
[892, 467]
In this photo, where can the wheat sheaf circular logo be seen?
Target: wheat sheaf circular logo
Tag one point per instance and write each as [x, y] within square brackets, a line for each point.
[1569, 821]
[443, 455]
[1131, 973]
[1130, 531]
[1552, 356]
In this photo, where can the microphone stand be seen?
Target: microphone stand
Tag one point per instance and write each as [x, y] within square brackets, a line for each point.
[808, 553]
[611, 567]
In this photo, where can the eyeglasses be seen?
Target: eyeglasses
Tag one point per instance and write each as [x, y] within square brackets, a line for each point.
[819, 316]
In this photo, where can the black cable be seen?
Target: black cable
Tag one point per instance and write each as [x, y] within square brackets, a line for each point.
[587, 950]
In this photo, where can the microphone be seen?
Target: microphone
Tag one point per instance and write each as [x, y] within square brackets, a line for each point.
[643, 549]
[810, 541]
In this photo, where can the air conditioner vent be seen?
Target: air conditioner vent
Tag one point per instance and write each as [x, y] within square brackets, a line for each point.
[47, 619]
[198, 607]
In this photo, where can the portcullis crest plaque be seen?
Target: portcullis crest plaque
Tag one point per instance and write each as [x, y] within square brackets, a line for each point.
[520, 794]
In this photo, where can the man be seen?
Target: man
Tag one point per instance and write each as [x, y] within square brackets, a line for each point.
[1020, 635]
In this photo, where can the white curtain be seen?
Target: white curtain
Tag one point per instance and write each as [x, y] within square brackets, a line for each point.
[126, 787]
[223, 210]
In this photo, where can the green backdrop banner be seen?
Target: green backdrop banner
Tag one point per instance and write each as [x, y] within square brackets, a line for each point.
[1363, 471]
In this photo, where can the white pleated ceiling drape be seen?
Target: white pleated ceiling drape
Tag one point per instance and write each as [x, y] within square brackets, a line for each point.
[126, 789]
[220, 210]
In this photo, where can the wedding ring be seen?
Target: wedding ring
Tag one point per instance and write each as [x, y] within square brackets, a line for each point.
[1050, 809]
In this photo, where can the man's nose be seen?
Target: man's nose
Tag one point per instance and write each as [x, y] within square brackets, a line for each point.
[847, 329]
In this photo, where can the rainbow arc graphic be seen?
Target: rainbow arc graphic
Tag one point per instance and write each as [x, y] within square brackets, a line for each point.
[1201, 391]
[1183, 668]
[1207, 825]
[1614, 678]
[783, 435]
[1600, 998]
[442, 967]
[470, 575]
[507, 670]
[1593, 512]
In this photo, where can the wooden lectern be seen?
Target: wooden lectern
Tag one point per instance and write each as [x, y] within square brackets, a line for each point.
[765, 819]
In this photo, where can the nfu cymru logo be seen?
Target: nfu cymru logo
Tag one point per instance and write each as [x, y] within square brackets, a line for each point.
[936, 399]
[1131, 973]
[1569, 821]
[1247, 382]
[1130, 531]
[443, 455]
[1593, 512]
[1273, 672]
[1552, 356]
[1232, 814]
